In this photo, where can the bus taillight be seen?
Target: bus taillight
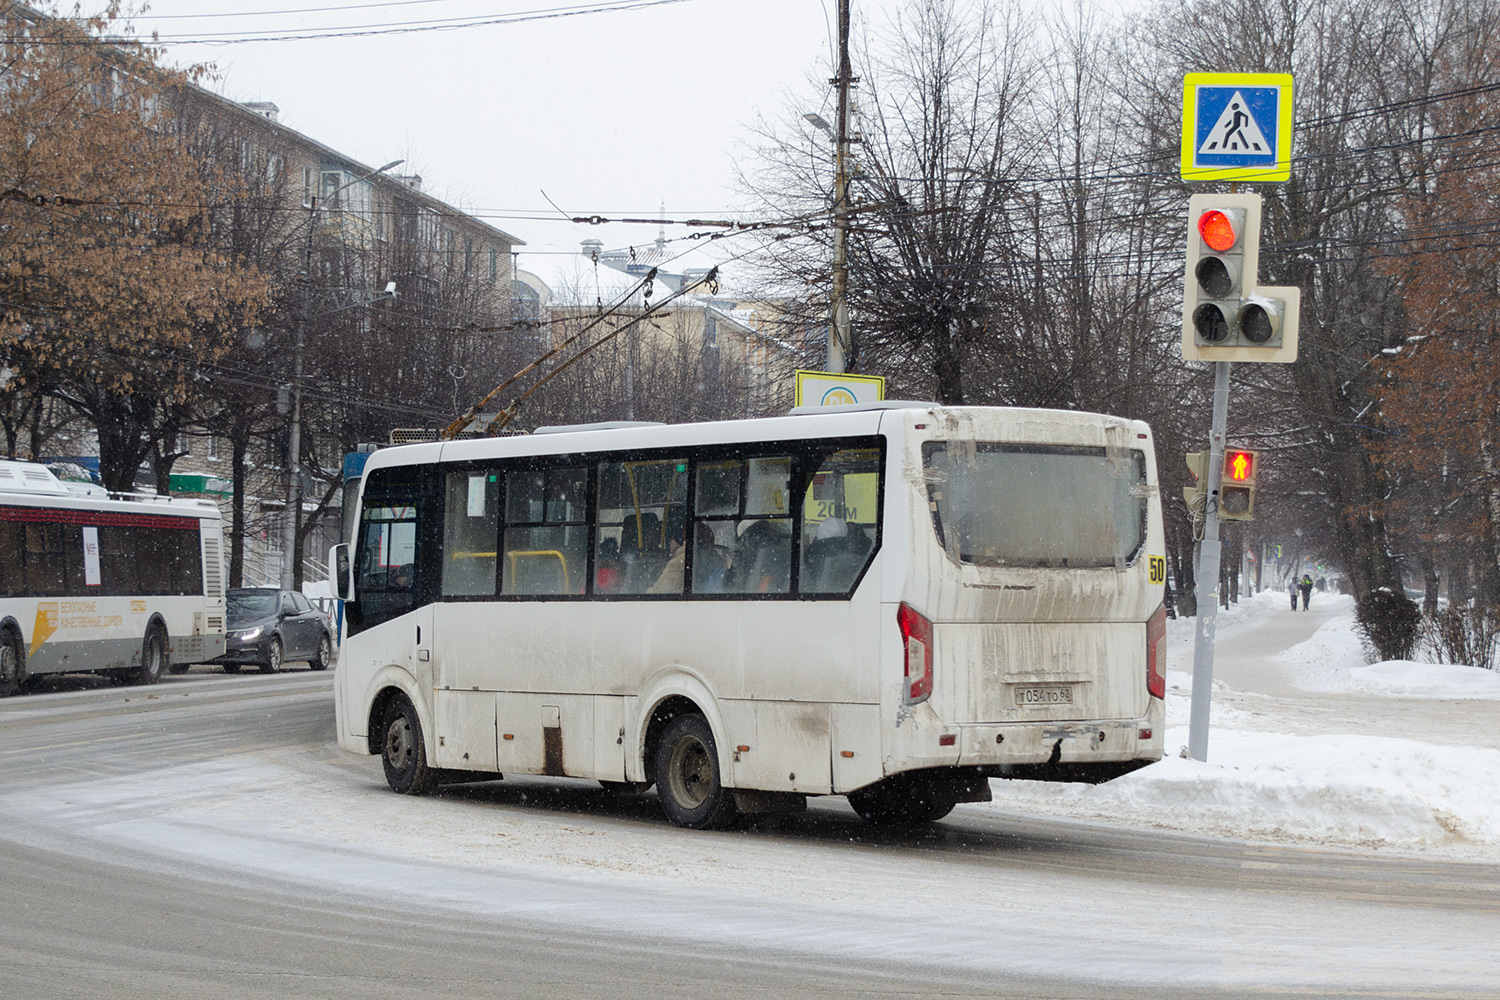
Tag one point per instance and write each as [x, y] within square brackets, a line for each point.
[916, 641]
[1156, 653]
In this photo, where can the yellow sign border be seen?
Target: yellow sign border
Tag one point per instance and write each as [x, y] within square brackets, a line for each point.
[803, 375]
[1281, 170]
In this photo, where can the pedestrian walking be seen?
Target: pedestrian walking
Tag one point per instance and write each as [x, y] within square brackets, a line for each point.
[1291, 589]
[1306, 587]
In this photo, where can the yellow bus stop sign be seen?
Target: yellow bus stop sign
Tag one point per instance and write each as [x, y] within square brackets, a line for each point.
[837, 389]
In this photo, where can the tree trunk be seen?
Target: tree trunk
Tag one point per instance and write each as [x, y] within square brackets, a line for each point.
[239, 445]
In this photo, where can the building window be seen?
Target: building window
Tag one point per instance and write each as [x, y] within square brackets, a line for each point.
[333, 180]
[308, 191]
[494, 263]
[211, 449]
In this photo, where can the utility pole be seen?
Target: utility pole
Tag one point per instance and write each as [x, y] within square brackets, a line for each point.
[838, 331]
[290, 523]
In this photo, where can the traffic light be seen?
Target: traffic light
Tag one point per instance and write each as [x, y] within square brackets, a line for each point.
[1197, 463]
[1226, 315]
[1237, 485]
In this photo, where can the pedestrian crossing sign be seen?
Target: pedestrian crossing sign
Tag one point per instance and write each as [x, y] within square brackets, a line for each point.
[1237, 127]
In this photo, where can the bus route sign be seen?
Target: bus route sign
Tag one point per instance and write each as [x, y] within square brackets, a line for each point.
[1237, 127]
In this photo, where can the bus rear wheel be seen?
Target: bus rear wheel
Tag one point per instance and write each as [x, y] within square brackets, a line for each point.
[10, 663]
[402, 752]
[904, 800]
[687, 776]
[153, 657]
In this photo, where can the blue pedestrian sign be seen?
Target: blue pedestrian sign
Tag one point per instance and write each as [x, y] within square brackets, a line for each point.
[1237, 127]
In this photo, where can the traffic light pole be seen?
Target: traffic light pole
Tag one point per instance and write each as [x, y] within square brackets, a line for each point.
[1208, 573]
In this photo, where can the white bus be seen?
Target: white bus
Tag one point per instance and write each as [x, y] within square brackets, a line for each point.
[893, 602]
[93, 581]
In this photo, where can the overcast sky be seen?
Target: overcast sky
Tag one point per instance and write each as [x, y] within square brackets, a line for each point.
[610, 113]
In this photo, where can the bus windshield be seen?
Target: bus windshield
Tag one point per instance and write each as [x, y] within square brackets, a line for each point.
[1036, 505]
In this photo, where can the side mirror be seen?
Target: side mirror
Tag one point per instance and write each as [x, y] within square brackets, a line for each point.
[342, 568]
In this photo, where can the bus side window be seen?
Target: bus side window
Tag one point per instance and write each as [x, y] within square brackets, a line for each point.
[838, 521]
[760, 559]
[546, 534]
[471, 534]
[642, 508]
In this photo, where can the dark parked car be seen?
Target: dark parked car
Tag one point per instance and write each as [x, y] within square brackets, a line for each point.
[268, 627]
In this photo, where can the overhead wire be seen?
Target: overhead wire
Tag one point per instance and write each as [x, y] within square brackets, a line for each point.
[353, 31]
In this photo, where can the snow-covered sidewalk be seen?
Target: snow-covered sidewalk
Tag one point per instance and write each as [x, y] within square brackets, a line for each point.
[1268, 777]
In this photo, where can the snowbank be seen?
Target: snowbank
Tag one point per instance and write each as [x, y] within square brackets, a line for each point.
[1341, 789]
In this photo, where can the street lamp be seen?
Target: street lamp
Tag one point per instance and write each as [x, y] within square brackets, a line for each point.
[289, 558]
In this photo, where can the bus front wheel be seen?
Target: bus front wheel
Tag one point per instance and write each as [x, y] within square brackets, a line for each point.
[687, 776]
[402, 751]
[904, 800]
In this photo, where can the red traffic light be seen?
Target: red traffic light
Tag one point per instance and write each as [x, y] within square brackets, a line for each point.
[1239, 465]
[1218, 229]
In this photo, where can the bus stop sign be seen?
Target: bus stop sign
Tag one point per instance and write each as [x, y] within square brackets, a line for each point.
[1237, 127]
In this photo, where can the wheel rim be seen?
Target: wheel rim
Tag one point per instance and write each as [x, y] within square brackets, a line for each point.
[690, 772]
[153, 656]
[323, 650]
[398, 743]
[9, 663]
[275, 655]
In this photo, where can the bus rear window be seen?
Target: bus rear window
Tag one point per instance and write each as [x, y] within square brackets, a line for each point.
[1036, 505]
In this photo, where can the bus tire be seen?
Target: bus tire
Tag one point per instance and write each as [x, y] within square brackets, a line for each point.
[320, 659]
[903, 800]
[12, 667]
[273, 657]
[687, 776]
[402, 752]
[154, 658]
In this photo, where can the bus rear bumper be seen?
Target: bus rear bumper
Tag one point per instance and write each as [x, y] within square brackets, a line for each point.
[1064, 751]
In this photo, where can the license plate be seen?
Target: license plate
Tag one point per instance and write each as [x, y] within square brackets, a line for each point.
[1045, 694]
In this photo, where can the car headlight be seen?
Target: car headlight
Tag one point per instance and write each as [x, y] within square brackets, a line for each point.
[249, 634]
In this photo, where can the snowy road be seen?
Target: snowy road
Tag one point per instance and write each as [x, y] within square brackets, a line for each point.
[205, 838]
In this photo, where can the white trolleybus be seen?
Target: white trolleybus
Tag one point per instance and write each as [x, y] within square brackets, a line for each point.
[93, 581]
[893, 602]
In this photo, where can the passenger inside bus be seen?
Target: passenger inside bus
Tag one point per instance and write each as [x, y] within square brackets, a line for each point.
[710, 560]
[669, 580]
[834, 557]
[763, 559]
[609, 571]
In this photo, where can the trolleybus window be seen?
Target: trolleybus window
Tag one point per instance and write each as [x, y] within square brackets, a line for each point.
[546, 531]
[839, 520]
[642, 513]
[1037, 505]
[471, 533]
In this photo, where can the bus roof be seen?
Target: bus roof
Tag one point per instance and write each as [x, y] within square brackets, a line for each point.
[804, 423]
[31, 484]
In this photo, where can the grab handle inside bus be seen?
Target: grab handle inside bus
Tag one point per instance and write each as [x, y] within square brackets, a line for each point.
[343, 572]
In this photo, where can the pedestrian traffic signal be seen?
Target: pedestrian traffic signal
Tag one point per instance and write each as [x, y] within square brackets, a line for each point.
[1226, 316]
[1237, 486]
